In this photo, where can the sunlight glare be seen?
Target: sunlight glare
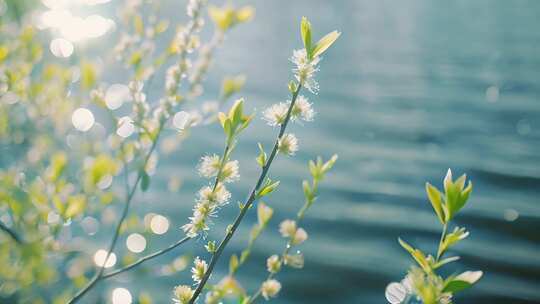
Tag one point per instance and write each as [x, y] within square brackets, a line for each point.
[82, 119]
[159, 224]
[99, 258]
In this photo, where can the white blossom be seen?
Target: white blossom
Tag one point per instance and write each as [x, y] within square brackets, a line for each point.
[287, 228]
[230, 172]
[220, 196]
[305, 70]
[270, 288]
[302, 109]
[299, 236]
[199, 269]
[182, 294]
[273, 263]
[275, 115]
[197, 224]
[208, 201]
[288, 144]
[209, 165]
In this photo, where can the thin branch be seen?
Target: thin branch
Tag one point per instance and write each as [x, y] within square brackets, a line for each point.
[247, 205]
[12, 233]
[125, 211]
[299, 219]
[145, 258]
[443, 235]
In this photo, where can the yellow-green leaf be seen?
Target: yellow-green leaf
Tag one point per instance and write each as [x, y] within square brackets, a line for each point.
[325, 42]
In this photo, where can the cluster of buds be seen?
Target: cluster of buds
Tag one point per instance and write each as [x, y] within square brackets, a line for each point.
[222, 169]
[185, 42]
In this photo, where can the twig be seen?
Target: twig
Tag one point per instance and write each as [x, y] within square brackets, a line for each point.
[125, 211]
[14, 235]
[299, 218]
[145, 258]
[247, 205]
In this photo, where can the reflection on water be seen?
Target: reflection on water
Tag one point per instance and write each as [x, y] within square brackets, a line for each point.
[411, 89]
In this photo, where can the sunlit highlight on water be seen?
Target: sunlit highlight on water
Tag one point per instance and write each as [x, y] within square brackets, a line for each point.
[121, 296]
[159, 224]
[101, 255]
[136, 243]
[82, 119]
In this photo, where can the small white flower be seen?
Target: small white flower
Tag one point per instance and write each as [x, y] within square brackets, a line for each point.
[182, 294]
[197, 224]
[182, 120]
[125, 127]
[287, 228]
[209, 165]
[275, 115]
[193, 7]
[198, 270]
[270, 288]
[305, 70]
[302, 109]
[135, 86]
[230, 172]
[172, 78]
[299, 236]
[273, 263]
[220, 196]
[288, 144]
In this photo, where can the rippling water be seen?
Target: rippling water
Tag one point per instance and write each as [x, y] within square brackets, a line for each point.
[410, 89]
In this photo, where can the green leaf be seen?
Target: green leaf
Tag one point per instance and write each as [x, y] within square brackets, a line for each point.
[75, 205]
[232, 85]
[233, 263]
[138, 24]
[417, 255]
[329, 164]
[292, 86]
[308, 193]
[462, 281]
[445, 261]
[261, 159]
[244, 255]
[305, 30]
[435, 198]
[227, 128]
[264, 214]
[323, 44]
[145, 181]
[267, 188]
[88, 75]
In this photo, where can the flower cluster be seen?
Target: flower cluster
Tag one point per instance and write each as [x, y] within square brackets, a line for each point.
[185, 42]
[199, 269]
[305, 69]
[270, 288]
[302, 110]
[210, 166]
[288, 144]
[223, 170]
[182, 294]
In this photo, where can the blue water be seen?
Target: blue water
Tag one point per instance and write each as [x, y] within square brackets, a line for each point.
[411, 89]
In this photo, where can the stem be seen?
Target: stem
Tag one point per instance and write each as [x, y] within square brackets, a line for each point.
[247, 205]
[222, 163]
[443, 234]
[125, 211]
[299, 218]
[14, 235]
[145, 258]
